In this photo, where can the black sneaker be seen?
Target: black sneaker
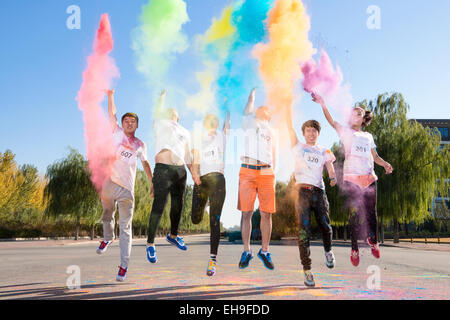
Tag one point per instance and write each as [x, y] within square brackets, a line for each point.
[245, 260]
[266, 259]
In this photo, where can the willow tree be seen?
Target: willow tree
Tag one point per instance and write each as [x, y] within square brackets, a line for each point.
[142, 201]
[69, 190]
[421, 167]
[336, 198]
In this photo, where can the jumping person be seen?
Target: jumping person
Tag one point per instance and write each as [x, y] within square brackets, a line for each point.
[360, 179]
[120, 187]
[257, 177]
[209, 163]
[310, 159]
[172, 153]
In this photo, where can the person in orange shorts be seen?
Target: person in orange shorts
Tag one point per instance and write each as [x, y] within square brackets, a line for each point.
[257, 177]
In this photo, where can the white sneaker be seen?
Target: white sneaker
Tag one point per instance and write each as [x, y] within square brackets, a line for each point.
[103, 246]
[309, 279]
[122, 274]
[329, 259]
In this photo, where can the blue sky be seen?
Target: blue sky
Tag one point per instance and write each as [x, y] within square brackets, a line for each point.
[42, 63]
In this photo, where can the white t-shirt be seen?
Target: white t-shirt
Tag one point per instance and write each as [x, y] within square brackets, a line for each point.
[309, 163]
[259, 139]
[127, 151]
[358, 147]
[172, 136]
[211, 150]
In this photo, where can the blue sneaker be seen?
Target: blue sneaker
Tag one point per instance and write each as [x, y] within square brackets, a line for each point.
[266, 259]
[245, 260]
[151, 254]
[177, 242]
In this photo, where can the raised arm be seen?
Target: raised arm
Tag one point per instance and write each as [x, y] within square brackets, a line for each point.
[159, 111]
[250, 108]
[318, 99]
[292, 134]
[112, 112]
[227, 123]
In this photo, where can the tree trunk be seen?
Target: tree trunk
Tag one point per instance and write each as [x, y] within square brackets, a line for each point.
[396, 233]
[345, 232]
[92, 232]
[406, 227]
[77, 229]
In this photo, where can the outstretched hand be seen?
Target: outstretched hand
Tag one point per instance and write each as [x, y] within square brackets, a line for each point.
[317, 98]
[110, 92]
[252, 95]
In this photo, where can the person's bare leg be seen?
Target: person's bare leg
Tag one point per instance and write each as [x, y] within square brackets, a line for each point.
[246, 229]
[266, 230]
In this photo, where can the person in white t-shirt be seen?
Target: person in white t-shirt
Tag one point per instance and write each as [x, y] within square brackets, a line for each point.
[257, 178]
[310, 160]
[359, 176]
[173, 151]
[208, 151]
[120, 187]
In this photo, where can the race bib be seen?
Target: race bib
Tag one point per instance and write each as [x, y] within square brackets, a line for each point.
[361, 148]
[313, 160]
[125, 154]
[211, 154]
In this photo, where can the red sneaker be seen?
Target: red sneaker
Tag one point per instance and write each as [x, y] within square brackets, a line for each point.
[354, 258]
[122, 274]
[375, 248]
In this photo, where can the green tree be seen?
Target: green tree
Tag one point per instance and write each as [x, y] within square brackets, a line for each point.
[69, 190]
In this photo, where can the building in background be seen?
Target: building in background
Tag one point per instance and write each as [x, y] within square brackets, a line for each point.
[441, 206]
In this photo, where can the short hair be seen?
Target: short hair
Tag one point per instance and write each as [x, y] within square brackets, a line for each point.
[131, 115]
[210, 117]
[311, 124]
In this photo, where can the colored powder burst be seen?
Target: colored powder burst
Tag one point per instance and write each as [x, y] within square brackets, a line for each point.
[97, 77]
[323, 79]
[239, 72]
[230, 71]
[213, 47]
[288, 25]
[159, 38]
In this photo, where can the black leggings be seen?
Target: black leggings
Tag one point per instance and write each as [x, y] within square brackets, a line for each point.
[362, 206]
[308, 200]
[167, 179]
[212, 187]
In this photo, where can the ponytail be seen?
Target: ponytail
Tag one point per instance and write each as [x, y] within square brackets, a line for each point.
[367, 120]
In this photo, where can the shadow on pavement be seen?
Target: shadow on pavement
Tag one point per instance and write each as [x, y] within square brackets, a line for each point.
[209, 292]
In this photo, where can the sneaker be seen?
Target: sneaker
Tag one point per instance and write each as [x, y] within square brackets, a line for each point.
[266, 259]
[122, 274]
[245, 260]
[375, 248]
[309, 279]
[211, 270]
[329, 259]
[151, 254]
[354, 257]
[103, 246]
[177, 242]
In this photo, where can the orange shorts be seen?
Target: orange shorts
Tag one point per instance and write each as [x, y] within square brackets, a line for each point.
[256, 182]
